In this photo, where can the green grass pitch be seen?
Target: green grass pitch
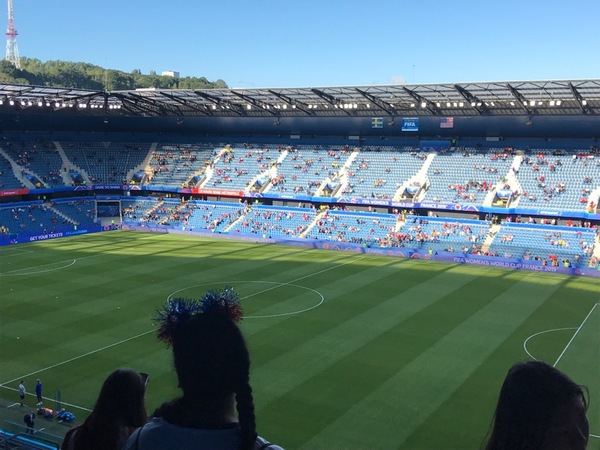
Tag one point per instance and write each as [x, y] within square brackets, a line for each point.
[349, 351]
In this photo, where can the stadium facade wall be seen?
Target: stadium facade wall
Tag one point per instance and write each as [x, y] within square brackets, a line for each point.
[559, 126]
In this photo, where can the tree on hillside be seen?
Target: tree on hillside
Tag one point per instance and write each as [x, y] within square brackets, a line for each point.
[10, 74]
[81, 75]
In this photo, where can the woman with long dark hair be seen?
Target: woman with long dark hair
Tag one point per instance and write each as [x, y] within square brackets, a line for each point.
[119, 410]
[539, 408]
[216, 410]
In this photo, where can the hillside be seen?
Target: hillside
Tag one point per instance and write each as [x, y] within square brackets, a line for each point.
[81, 75]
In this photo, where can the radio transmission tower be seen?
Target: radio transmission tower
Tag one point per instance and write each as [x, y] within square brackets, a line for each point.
[12, 51]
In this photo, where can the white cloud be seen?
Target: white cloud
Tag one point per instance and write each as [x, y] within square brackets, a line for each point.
[397, 79]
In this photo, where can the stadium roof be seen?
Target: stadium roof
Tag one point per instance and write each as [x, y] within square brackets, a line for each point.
[565, 97]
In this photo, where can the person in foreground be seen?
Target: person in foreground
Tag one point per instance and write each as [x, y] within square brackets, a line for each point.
[213, 366]
[119, 410]
[539, 408]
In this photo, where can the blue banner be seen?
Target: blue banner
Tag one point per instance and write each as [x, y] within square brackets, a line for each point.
[410, 124]
[63, 232]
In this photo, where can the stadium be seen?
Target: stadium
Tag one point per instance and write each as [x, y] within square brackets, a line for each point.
[396, 248]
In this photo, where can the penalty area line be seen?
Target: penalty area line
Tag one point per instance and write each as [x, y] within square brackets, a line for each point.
[77, 357]
[50, 400]
[575, 334]
[289, 283]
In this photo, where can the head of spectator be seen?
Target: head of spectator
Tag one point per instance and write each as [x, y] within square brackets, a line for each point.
[212, 363]
[119, 410]
[539, 408]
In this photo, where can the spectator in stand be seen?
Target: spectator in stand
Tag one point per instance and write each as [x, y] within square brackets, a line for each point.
[119, 410]
[539, 408]
[213, 370]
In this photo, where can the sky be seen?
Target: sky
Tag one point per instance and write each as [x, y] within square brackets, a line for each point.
[319, 43]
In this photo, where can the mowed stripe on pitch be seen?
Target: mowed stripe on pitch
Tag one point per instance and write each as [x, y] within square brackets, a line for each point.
[85, 315]
[351, 358]
[420, 387]
[330, 341]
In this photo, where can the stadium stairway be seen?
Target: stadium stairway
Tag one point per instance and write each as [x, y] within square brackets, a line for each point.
[400, 222]
[490, 238]
[232, 226]
[421, 177]
[513, 180]
[47, 205]
[422, 173]
[355, 153]
[70, 167]
[596, 252]
[210, 170]
[144, 166]
[17, 170]
[201, 174]
[273, 172]
[312, 224]
[510, 178]
[595, 197]
[489, 198]
[343, 172]
[208, 173]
